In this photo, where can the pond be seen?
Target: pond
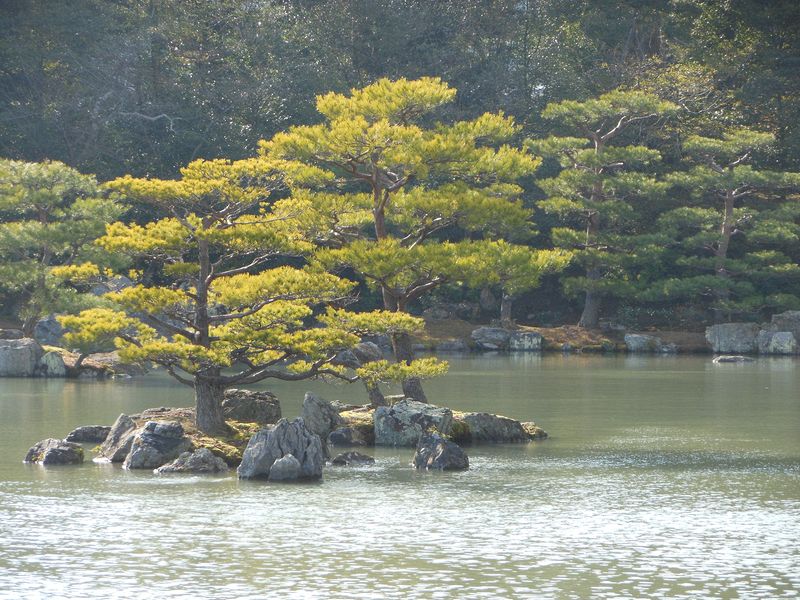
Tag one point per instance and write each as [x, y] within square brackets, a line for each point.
[663, 477]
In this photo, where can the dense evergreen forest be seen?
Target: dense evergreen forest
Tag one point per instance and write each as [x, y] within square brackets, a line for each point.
[667, 133]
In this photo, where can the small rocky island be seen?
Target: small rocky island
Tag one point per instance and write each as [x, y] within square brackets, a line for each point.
[263, 445]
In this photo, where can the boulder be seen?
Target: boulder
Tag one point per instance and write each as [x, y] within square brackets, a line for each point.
[436, 452]
[367, 352]
[89, 434]
[787, 321]
[55, 452]
[727, 338]
[403, 423]
[118, 441]
[19, 358]
[251, 406]
[347, 436]
[51, 365]
[11, 334]
[776, 342]
[269, 445]
[321, 418]
[726, 358]
[48, 331]
[349, 459]
[286, 468]
[485, 427]
[641, 343]
[534, 431]
[491, 338]
[525, 341]
[104, 363]
[201, 460]
[452, 345]
[156, 444]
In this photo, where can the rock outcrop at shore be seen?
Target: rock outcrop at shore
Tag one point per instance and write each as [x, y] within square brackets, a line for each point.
[199, 461]
[437, 452]
[248, 406]
[92, 434]
[778, 337]
[118, 441]
[269, 445]
[321, 417]
[20, 357]
[156, 444]
[403, 423]
[51, 452]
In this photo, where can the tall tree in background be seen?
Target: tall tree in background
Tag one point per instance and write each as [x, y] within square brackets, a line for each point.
[599, 186]
[50, 215]
[399, 185]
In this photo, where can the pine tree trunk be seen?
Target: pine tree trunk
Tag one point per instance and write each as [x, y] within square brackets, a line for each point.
[208, 406]
[376, 398]
[590, 318]
[720, 257]
[412, 386]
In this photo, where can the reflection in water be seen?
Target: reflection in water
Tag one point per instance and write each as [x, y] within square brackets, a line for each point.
[665, 477]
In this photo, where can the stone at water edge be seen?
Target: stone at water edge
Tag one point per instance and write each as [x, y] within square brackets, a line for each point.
[286, 468]
[347, 436]
[55, 452]
[51, 365]
[491, 338]
[89, 434]
[525, 341]
[726, 358]
[320, 417]
[155, 444]
[201, 460]
[404, 422]
[776, 342]
[729, 338]
[485, 427]
[269, 445]
[348, 459]
[534, 431]
[19, 358]
[251, 406]
[641, 343]
[436, 452]
[118, 441]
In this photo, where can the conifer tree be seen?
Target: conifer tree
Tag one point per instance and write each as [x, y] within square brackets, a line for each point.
[50, 215]
[213, 308]
[599, 191]
[398, 184]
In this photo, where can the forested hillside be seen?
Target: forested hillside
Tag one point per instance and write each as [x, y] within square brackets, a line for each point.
[667, 132]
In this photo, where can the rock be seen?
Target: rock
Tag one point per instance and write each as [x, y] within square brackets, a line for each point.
[91, 434]
[534, 431]
[48, 331]
[347, 436]
[367, 352]
[51, 365]
[787, 321]
[11, 334]
[55, 452]
[776, 342]
[485, 427]
[732, 359]
[348, 459]
[452, 345]
[436, 452]
[347, 359]
[384, 342]
[201, 460]
[491, 338]
[114, 284]
[525, 341]
[118, 441]
[729, 338]
[155, 444]
[269, 445]
[403, 423]
[641, 343]
[321, 418]
[111, 362]
[251, 406]
[19, 358]
[286, 468]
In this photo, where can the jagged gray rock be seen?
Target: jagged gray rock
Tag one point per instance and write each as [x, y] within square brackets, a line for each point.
[251, 406]
[269, 445]
[776, 342]
[485, 427]
[348, 459]
[347, 436]
[118, 441]
[367, 352]
[787, 321]
[51, 365]
[728, 338]
[11, 334]
[321, 418]
[452, 345]
[491, 338]
[436, 452]
[91, 434]
[403, 423]
[201, 460]
[525, 341]
[19, 358]
[156, 444]
[286, 468]
[55, 452]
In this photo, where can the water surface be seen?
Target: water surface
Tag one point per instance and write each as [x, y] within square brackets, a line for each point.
[664, 477]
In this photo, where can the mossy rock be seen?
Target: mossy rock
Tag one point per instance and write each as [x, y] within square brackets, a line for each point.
[231, 447]
[460, 432]
[362, 422]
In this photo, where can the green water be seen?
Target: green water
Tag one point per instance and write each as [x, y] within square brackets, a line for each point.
[664, 477]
